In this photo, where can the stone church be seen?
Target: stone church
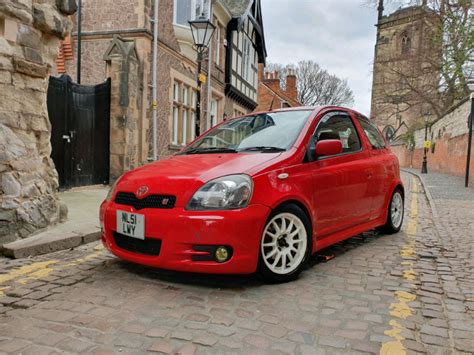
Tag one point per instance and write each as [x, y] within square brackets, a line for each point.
[405, 74]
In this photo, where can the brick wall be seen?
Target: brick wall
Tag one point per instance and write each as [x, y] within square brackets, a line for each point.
[449, 136]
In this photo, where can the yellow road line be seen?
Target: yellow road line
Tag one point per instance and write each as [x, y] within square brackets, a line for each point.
[40, 270]
[27, 269]
[401, 309]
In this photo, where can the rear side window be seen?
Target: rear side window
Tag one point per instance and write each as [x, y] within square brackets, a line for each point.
[373, 135]
[336, 125]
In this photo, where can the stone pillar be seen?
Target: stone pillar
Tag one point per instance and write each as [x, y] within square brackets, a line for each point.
[29, 41]
[123, 67]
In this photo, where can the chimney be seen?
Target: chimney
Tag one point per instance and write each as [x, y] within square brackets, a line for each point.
[291, 90]
[261, 72]
[273, 81]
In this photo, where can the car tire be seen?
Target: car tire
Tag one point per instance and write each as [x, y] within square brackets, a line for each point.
[286, 244]
[395, 213]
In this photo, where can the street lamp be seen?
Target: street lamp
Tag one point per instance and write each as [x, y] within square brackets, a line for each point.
[202, 30]
[470, 123]
[424, 166]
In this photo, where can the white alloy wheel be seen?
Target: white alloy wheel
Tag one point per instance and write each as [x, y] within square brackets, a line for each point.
[396, 210]
[284, 243]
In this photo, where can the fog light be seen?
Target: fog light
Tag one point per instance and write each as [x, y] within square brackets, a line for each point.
[222, 254]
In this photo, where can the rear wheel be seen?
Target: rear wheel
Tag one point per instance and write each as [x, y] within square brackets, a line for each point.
[395, 213]
[285, 245]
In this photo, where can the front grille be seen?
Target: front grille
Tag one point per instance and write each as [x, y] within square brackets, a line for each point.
[151, 201]
[150, 247]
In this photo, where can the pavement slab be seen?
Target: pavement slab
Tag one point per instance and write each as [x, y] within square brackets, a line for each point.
[82, 226]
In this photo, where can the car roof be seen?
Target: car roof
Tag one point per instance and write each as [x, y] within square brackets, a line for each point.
[315, 109]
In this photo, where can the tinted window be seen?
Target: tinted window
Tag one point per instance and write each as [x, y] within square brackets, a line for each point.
[373, 135]
[339, 126]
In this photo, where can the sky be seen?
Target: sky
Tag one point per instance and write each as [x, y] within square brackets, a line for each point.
[337, 34]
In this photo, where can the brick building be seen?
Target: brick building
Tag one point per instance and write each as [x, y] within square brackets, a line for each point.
[238, 45]
[271, 95]
[405, 62]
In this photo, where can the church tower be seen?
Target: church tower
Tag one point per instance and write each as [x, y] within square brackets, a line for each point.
[405, 73]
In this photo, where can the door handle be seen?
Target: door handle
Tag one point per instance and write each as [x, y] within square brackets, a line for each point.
[67, 138]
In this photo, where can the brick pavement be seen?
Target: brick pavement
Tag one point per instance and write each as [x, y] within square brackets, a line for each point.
[412, 291]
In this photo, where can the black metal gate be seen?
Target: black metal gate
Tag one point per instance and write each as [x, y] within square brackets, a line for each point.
[80, 119]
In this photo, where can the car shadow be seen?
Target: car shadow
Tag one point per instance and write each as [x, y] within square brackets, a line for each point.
[174, 279]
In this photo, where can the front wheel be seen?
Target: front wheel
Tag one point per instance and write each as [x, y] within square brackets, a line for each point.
[285, 245]
[395, 213]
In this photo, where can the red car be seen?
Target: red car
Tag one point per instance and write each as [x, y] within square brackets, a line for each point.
[262, 192]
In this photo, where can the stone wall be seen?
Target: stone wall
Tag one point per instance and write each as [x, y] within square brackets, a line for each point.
[29, 38]
[123, 67]
[449, 151]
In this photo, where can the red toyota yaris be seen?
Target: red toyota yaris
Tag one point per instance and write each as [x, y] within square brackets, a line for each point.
[261, 193]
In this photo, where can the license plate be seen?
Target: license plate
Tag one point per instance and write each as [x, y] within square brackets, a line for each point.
[131, 224]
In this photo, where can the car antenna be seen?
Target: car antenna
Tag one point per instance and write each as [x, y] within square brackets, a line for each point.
[271, 105]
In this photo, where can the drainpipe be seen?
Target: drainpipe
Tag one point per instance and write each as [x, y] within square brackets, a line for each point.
[209, 76]
[79, 40]
[154, 80]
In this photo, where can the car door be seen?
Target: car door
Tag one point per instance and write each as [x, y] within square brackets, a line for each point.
[341, 182]
[381, 165]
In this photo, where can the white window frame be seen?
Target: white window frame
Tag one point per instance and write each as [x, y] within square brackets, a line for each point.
[192, 15]
[175, 125]
[218, 46]
[184, 122]
[214, 112]
[246, 63]
[183, 117]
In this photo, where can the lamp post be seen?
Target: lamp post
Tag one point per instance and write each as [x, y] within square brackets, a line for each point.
[424, 166]
[470, 122]
[202, 30]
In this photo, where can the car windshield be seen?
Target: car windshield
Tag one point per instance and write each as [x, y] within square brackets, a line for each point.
[266, 132]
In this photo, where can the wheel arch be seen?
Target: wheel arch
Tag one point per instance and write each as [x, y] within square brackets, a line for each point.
[396, 185]
[300, 205]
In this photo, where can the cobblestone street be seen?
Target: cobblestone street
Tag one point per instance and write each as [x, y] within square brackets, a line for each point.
[412, 291]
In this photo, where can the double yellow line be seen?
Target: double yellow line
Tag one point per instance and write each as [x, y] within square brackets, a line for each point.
[401, 308]
[40, 270]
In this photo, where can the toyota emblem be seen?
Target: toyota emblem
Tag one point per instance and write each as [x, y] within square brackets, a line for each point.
[142, 191]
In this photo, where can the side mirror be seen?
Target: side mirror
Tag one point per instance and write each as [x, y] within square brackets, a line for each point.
[328, 147]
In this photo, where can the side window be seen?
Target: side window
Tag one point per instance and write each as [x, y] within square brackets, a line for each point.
[336, 125]
[373, 135]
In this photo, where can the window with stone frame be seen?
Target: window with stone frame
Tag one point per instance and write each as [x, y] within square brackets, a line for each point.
[220, 32]
[214, 112]
[183, 115]
[406, 43]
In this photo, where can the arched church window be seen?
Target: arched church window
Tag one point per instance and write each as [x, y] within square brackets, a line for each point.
[406, 43]
[389, 132]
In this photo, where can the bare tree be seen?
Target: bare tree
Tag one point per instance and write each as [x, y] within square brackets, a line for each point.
[315, 85]
[436, 76]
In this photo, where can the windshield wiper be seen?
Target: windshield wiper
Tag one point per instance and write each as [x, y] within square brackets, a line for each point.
[211, 150]
[264, 149]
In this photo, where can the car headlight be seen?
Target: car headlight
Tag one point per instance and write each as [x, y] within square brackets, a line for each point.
[111, 190]
[225, 193]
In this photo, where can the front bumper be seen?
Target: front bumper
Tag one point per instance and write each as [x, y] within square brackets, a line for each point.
[180, 230]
